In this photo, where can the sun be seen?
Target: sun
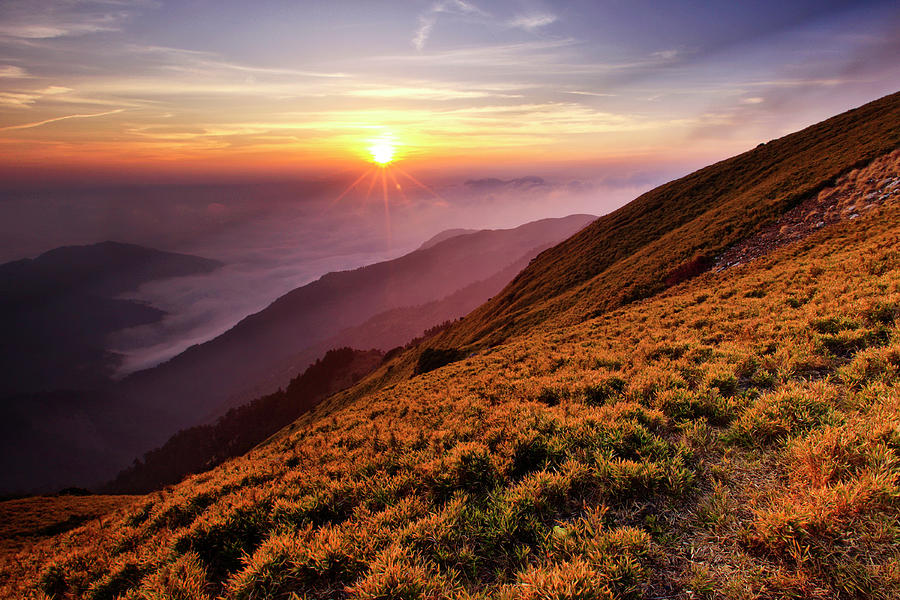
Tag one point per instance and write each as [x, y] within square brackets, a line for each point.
[382, 151]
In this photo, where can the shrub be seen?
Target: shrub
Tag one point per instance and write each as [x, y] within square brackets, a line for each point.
[724, 381]
[685, 405]
[571, 580]
[549, 396]
[782, 414]
[118, 581]
[435, 358]
[885, 313]
[53, 581]
[468, 467]
[330, 504]
[185, 579]
[872, 364]
[670, 352]
[320, 563]
[530, 454]
[221, 542]
[598, 393]
[399, 575]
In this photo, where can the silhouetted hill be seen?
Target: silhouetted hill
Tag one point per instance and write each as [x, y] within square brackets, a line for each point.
[57, 309]
[445, 235]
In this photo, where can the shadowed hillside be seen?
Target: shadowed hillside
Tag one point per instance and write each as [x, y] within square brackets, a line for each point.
[57, 309]
[202, 447]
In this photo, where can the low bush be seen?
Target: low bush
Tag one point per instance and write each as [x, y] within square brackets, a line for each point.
[435, 358]
[780, 415]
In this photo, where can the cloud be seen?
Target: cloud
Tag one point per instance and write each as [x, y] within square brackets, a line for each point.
[666, 54]
[63, 118]
[25, 98]
[597, 94]
[520, 55]
[492, 183]
[533, 21]
[47, 19]
[12, 72]
[426, 24]
[428, 20]
[427, 93]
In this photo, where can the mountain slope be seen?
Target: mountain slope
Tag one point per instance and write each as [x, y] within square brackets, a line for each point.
[73, 438]
[202, 447]
[397, 326]
[685, 445]
[57, 309]
[628, 253]
[207, 379]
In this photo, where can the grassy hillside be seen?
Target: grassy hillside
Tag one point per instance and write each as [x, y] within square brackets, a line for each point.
[737, 436]
[200, 448]
[627, 254]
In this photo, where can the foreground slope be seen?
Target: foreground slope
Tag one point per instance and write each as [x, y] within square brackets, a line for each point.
[685, 445]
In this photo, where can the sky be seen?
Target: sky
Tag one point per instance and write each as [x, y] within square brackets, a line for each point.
[244, 131]
[195, 90]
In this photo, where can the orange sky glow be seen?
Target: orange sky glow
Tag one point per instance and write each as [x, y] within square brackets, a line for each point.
[166, 88]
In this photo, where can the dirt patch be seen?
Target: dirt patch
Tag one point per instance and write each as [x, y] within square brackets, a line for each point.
[855, 195]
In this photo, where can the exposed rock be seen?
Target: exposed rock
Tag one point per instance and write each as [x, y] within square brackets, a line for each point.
[867, 186]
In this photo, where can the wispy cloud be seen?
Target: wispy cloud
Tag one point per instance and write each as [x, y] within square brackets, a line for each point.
[25, 98]
[47, 19]
[596, 94]
[522, 55]
[428, 93]
[211, 62]
[13, 72]
[63, 118]
[429, 19]
[532, 21]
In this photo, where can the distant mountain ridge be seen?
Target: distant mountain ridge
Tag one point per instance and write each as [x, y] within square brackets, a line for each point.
[102, 269]
[57, 309]
[207, 379]
[445, 235]
[93, 436]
